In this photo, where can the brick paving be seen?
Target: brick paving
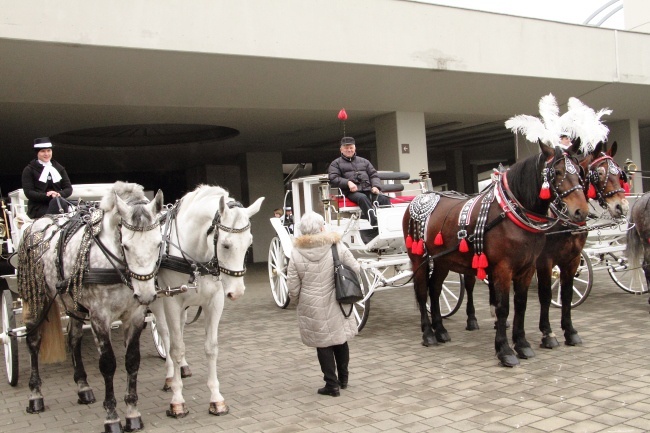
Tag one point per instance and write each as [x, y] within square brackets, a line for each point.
[269, 379]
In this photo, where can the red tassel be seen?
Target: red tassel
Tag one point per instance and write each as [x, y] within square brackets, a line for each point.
[415, 248]
[463, 247]
[626, 187]
[421, 246]
[480, 273]
[409, 241]
[343, 115]
[591, 193]
[438, 240]
[545, 192]
[475, 261]
[482, 261]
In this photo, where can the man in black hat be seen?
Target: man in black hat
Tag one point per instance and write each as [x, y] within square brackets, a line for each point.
[358, 180]
[45, 182]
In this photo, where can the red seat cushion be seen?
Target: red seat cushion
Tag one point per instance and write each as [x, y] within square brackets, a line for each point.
[345, 202]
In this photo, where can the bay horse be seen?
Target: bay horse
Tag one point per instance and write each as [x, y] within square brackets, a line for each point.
[512, 221]
[100, 263]
[604, 181]
[207, 235]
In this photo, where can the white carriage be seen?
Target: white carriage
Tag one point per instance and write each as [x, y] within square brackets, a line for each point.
[14, 221]
[604, 251]
[384, 261]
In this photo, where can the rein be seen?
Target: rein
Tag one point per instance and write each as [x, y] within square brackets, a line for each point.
[594, 178]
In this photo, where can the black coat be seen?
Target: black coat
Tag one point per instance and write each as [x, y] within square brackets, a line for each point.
[36, 191]
[357, 169]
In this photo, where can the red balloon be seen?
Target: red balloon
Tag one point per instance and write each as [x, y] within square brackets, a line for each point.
[343, 115]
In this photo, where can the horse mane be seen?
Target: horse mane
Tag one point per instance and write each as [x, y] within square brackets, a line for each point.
[205, 191]
[133, 194]
[524, 180]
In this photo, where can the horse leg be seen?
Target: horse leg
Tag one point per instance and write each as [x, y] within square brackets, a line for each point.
[132, 332]
[174, 314]
[567, 274]
[522, 346]
[435, 287]
[107, 366]
[36, 403]
[472, 322]
[158, 310]
[500, 281]
[420, 285]
[212, 316]
[544, 293]
[75, 334]
[185, 368]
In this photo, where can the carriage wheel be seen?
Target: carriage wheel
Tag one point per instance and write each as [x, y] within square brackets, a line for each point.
[582, 283]
[157, 339]
[632, 280]
[278, 273]
[361, 309]
[451, 296]
[10, 343]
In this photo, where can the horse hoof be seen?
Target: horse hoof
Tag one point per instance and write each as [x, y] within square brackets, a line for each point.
[509, 360]
[168, 385]
[572, 340]
[134, 424]
[113, 427]
[429, 341]
[525, 352]
[36, 405]
[219, 408]
[86, 397]
[185, 371]
[549, 342]
[443, 337]
[178, 410]
[472, 325]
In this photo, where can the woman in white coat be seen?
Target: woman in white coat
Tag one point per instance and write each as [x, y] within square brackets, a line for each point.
[311, 284]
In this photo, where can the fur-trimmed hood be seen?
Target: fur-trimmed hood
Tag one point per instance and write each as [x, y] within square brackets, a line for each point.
[314, 247]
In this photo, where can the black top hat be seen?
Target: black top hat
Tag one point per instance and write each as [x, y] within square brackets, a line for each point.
[347, 141]
[42, 143]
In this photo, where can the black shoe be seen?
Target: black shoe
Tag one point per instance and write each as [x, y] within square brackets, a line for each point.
[343, 384]
[326, 390]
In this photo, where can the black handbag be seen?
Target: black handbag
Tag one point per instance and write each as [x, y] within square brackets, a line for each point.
[346, 283]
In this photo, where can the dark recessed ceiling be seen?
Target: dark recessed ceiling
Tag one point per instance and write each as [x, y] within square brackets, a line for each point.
[125, 136]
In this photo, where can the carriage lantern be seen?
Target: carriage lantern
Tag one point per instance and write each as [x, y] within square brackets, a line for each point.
[325, 198]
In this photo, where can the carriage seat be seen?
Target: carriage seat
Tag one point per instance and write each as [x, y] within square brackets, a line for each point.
[347, 205]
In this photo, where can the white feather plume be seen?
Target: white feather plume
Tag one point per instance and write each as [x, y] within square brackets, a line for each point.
[579, 121]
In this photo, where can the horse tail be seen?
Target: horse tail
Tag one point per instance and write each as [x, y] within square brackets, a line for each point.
[634, 248]
[52, 348]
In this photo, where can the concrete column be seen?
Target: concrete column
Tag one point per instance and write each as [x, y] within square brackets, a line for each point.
[455, 170]
[225, 176]
[626, 134]
[262, 177]
[401, 142]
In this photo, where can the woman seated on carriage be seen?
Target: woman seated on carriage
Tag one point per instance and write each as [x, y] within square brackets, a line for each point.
[45, 182]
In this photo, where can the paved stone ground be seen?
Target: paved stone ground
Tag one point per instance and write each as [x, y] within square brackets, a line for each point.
[269, 379]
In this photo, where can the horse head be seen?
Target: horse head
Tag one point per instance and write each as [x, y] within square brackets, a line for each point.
[561, 172]
[606, 180]
[232, 238]
[140, 239]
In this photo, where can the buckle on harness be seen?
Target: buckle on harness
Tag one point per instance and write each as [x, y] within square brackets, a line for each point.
[462, 234]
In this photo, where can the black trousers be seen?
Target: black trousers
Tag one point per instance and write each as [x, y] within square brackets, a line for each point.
[365, 199]
[55, 206]
[333, 360]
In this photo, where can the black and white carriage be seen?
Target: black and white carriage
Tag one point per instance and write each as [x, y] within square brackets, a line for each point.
[384, 261]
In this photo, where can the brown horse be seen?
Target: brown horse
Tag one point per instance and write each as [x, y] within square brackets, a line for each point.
[604, 180]
[514, 222]
[638, 236]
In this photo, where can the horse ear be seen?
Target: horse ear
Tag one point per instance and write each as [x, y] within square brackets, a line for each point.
[121, 206]
[547, 150]
[575, 146]
[255, 207]
[599, 148]
[158, 202]
[612, 150]
[222, 204]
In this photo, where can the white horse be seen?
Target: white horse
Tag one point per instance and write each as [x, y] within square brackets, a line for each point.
[101, 263]
[208, 234]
